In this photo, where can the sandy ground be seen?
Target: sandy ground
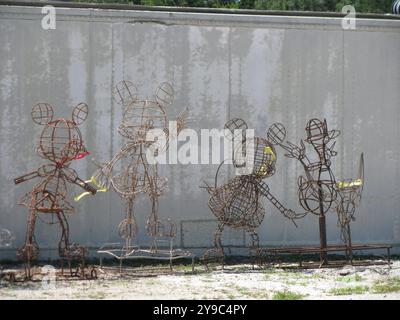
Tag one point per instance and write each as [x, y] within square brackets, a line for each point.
[235, 282]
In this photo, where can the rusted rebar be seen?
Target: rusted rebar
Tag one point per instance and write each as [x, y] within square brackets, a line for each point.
[60, 143]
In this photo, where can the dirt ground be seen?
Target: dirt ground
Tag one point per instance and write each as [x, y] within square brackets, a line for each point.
[234, 282]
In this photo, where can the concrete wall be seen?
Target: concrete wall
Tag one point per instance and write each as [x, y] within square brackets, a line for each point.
[261, 68]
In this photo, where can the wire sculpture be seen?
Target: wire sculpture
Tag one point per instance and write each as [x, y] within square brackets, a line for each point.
[237, 203]
[348, 199]
[60, 143]
[129, 172]
[318, 190]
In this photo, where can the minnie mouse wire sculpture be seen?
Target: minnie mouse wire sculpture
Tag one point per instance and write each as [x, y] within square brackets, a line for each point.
[237, 203]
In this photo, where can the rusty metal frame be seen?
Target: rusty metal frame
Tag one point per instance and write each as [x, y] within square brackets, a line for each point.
[319, 191]
[130, 174]
[60, 144]
[237, 203]
[349, 198]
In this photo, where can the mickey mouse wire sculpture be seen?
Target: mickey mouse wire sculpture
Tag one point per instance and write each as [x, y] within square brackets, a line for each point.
[129, 172]
[60, 144]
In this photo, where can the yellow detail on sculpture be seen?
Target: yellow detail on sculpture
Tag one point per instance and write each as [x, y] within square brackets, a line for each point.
[265, 166]
[96, 184]
[270, 151]
[354, 183]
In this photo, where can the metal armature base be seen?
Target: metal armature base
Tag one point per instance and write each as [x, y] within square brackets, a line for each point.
[80, 272]
[122, 253]
[263, 254]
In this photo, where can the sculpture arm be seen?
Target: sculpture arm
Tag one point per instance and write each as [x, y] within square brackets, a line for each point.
[26, 177]
[103, 174]
[288, 213]
[72, 177]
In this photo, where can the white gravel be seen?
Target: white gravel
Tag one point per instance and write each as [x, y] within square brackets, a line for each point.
[235, 282]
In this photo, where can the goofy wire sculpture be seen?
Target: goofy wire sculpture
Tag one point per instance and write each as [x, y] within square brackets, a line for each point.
[60, 143]
[318, 190]
[237, 204]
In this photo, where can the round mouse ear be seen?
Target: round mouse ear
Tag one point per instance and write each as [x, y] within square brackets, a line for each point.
[165, 94]
[42, 113]
[234, 125]
[124, 93]
[276, 133]
[80, 113]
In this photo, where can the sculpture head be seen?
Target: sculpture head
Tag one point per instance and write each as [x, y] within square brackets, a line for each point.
[142, 115]
[318, 133]
[61, 140]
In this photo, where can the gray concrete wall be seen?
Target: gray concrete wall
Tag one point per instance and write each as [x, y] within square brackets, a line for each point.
[261, 68]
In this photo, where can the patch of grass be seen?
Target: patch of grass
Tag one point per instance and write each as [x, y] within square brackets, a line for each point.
[391, 285]
[224, 292]
[358, 278]
[287, 295]
[299, 275]
[97, 295]
[270, 271]
[246, 292]
[9, 294]
[349, 290]
[347, 279]
[297, 282]
[187, 268]
[290, 282]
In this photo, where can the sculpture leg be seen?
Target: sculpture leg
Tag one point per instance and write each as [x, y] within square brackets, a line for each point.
[153, 225]
[30, 249]
[217, 237]
[348, 244]
[322, 227]
[218, 243]
[129, 217]
[63, 244]
[254, 249]
[128, 227]
[217, 253]
[255, 240]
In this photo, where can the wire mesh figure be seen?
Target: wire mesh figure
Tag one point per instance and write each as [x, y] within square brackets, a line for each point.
[60, 143]
[349, 198]
[237, 204]
[129, 172]
[317, 189]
